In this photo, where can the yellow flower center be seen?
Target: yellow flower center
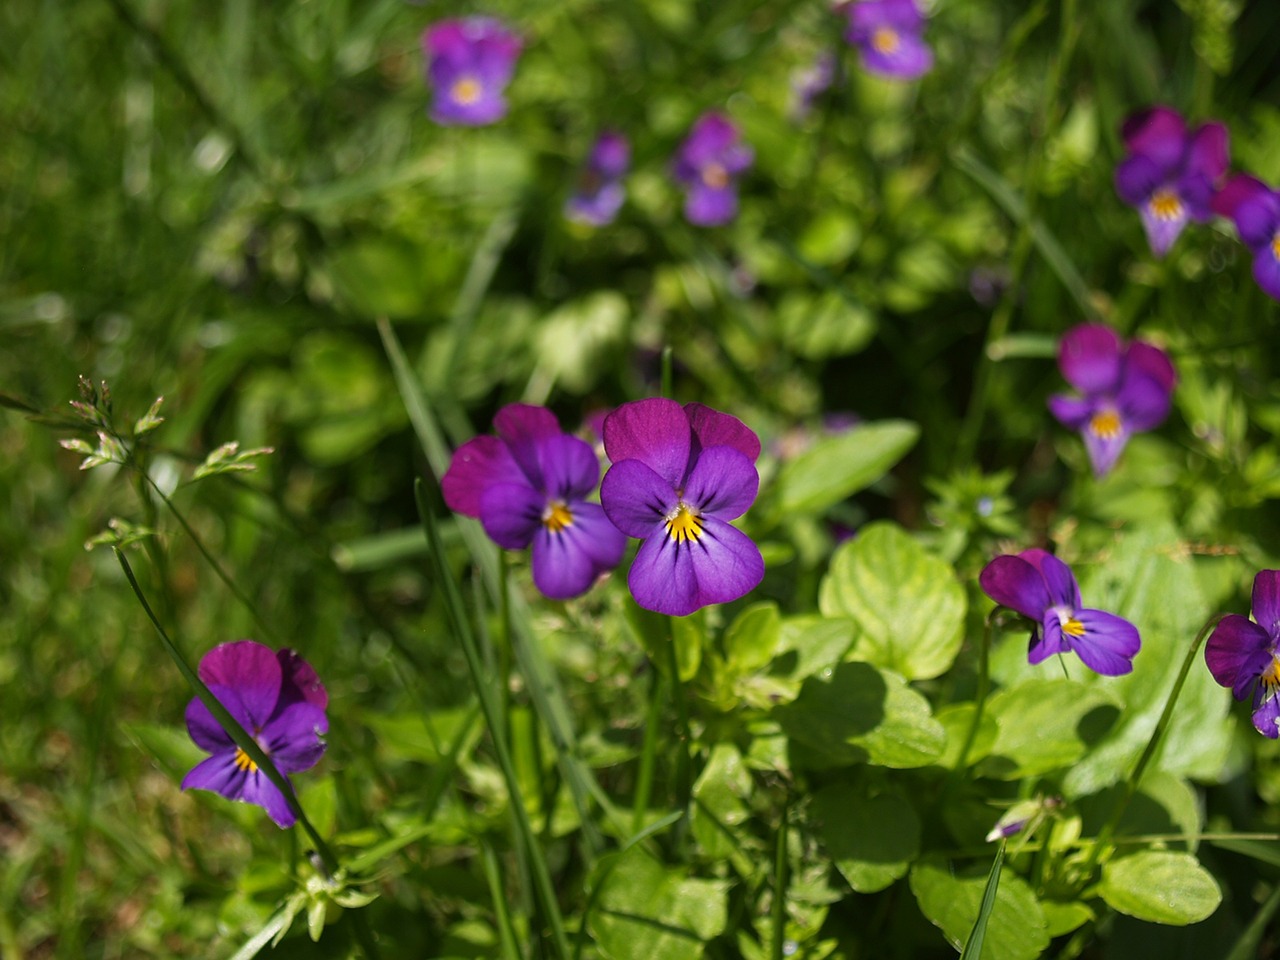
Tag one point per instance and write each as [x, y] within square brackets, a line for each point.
[885, 40]
[1165, 205]
[244, 762]
[466, 91]
[557, 516]
[684, 524]
[1105, 424]
[1271, 675]
[1073, 627]
[715, 176]
[1275, 246]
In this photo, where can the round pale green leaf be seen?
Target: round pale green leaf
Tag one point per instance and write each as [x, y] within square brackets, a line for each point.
[1016, 929]
[826, 325]
[906, 604]
[872, 841]
[1046, 725]
[839, 465]
[751, 639]
[1160, 886]
[859, 714]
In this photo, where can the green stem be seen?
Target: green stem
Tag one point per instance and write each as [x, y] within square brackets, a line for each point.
[667, 353]
[980, 698]
[780, 880]
[1135, 779]
[684, 761]
[506, 933]
[998, 328]
[239, 736]
[648, 755]
[492, 714]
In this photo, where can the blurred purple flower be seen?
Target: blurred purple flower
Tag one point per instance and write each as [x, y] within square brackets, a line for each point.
[1041, 587]
[1170, 172]
[889, 38]
[809, 83]
[600, 190]
[679, 475]
[1126, 389]
[1241, 654]
[1255, 209]
[469, 64]
[529, 485]
[279, 701]
[707, 162]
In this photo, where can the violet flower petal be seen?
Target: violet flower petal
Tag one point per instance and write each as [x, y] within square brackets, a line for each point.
[261, 791]
[656, 432]
[1209, 150]
[300, 682]
[512, 514]
[1159, 132]
[678, 578]
[523, 427]
[1266, 716]
[910, 58]
[1089, 356]
[1108, 644]
[251, 675]
[636, 499]
[723, 483]
[567, 562]
[292, 740]
[1142, 402]
[1237, 652]
[218, 773]
[1153, 362]
[1074, 413]
[1049, 641]
[1058, 578]
[570, 470]
[1137, 178]
[1239, 189]
[1266, 601]
[476, 465]
[1015, 583]
[715, 429]
[1104, 449]
[1162, 229]
[1266, 270]
[706, 206]
[204, 728]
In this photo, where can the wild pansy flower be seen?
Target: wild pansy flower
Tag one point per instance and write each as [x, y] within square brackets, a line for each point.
[600, 190]
[1170, 172]
[1242, 654]
[809, 83]
[1255, 209]
[1041, 587]
[679, 475]
[279, 701]
[889, 35]
[1126, 389]
[707, 162]
[529, 485]
[469, 63]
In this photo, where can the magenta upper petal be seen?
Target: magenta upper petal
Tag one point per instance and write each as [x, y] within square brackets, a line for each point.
[1239, 189]
[656, 432]
[715, 429]
[1210, 151]
[636, 499]
[251, 671]
[1237, 652]
[1108, 645]
[1159, 133]
[1266, 601]
[722, 483]
[512, 514]
[522, 427]
[300, 681]
[476, 465]
[1089, 357]
[1150, 360]
[1015, 583]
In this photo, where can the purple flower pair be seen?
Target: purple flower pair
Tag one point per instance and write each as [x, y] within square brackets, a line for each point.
[1125, 389]
[470, 61]
[1255, 209]
[1242, 654]
[279, 701]
[600, 191]
[1171, 172]
[679, 475]
[1041, 587]
[889, 35]
[529, 486]
[708, 164]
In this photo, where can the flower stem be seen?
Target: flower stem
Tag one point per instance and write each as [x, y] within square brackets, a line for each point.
[648, 754]
[237, 733]
[980, 698]
[780, 880]
[683, 784]
[1135, 779]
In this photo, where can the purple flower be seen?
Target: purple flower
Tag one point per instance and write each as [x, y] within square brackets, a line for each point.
[1126, 389]
[600, 191]
[809, 83]
[469, 64]
[889, 38]
[1255, 208]
[1040, 586]
[279, 701]
[529, 485]
[679, 475]
[706, 163]
[1170, 172]
[1241, 654]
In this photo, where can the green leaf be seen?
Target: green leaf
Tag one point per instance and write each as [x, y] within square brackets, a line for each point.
[576, 339]
[751, 639]
[977, 936]
[839, 465]
[646, 910]
[829, 324]
[952, 901]
[872, 841]
[720, 808]
[1046, 725]
[810, 643]
[1160, 886]
[860, 714]
[956, 720]
[907, 606]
